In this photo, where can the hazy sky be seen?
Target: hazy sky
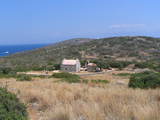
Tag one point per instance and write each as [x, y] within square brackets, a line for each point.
[47, 21]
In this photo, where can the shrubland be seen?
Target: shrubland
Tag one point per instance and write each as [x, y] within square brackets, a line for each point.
[145, 80]
[154, 65]
[67, 77]
[138, 48]
[10, 107]
[73, 78]
[23, 77]
[10, 73]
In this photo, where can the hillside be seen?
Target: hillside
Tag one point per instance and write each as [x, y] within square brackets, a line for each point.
[136, 48]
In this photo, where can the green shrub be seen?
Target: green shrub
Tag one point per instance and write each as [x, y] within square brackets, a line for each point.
[67, 77]
[100, 81]
[5, 70]
[101, 64]
[83, 62]
[10, 107]
[38, 68]
[23, 77]
[7, 75]
[145, 80]
[141, 65]
[72, 78]
[119, 64]
[154, 65]
[57, 66]
[123, 74]
[105, 64]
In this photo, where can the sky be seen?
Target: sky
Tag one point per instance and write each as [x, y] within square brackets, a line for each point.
[49, 21]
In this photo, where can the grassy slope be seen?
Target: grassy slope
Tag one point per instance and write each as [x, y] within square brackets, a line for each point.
[139, 48]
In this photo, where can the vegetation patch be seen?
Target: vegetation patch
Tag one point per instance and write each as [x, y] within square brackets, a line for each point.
[145, 80]
[7, 72]
[105, 64]
[67, 77]
[123, 74]
[72, 78]
[10, 107]
[154, 65]
[100, 81]
[111, 49]
[23, 77]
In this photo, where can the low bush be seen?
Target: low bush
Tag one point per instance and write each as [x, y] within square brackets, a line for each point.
[67, 77]
[154, 65]
[10, 107]
[123, 74]
[72, 78]
[141, 65]
[57, 66]
[145, 80]
[105, 64]
[5, 70]
[23, 77]
[101, 64]
[119, 64]
[7, 73]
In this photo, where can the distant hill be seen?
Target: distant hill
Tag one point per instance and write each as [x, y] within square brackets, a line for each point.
[138, 48]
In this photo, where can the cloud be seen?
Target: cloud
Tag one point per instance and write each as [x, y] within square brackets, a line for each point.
[118, 26]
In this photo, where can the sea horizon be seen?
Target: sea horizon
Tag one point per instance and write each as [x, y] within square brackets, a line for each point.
[6, 50]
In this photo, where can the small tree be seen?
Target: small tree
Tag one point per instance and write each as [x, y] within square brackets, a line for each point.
[57, 66]
[5, 70]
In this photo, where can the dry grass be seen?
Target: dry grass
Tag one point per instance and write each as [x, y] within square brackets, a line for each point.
[110, 76]
[47, 100]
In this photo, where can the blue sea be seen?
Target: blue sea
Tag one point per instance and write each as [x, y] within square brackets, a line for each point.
[6, 50]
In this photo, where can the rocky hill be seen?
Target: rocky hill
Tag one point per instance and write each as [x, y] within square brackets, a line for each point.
[136, 48]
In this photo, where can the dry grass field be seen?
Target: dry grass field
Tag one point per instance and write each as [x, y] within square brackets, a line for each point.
[50, 100]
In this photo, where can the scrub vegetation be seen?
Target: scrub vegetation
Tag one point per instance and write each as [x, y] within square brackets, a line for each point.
[10, 107]
[145, 80]
[106, 52]
[120, 93]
